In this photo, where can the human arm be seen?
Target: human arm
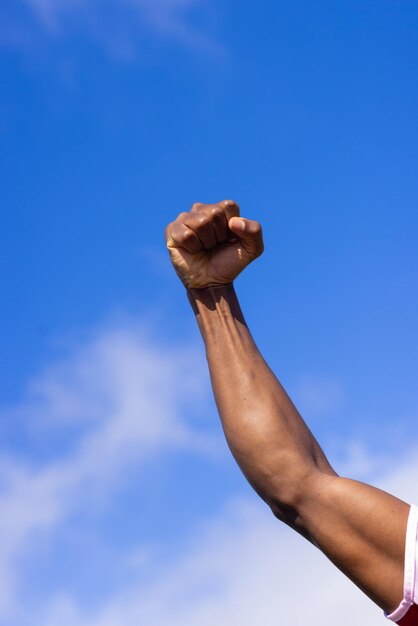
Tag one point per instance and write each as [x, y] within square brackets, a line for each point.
[360, 528]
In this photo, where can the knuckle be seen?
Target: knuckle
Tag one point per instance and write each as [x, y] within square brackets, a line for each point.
[197, 205]
[168, 229]
[188, 235]
[181, 216]
[202, 221]
[257, 228]
[229, 204]
[216, 212]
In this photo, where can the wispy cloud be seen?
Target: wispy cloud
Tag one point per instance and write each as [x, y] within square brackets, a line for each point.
[241, 568]
[119, 399]
[119, 27]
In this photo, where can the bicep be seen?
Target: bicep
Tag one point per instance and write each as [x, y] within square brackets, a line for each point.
[362, 530]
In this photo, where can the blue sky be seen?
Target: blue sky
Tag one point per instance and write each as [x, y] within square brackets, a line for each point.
[120, 501]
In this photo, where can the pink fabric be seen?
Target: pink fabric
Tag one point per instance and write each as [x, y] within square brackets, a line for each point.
[407, 612]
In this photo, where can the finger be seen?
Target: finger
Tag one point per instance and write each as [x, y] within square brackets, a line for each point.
[198, 206]
[200, 214]
[230, 207]
[202, 225]
[249, 233]
[220, 224]
[179, 235]
[221, 212]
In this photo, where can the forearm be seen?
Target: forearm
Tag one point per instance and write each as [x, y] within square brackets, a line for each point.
[268, 438]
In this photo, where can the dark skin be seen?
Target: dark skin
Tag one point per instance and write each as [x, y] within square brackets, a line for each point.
[361, 529]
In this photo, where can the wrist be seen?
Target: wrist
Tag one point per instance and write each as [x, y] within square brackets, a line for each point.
[210, 291]
[216, 309]
[212, 297]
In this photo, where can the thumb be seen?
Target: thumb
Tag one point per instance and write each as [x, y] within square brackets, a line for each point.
[249, 233]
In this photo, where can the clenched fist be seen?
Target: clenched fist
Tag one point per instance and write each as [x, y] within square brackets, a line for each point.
[212, 244]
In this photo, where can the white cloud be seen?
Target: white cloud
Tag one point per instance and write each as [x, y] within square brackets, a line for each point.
[118, 26]
[242, 568]
[120, 398]
[125, 396]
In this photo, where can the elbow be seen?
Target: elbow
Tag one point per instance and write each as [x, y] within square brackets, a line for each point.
[285, 491]
[296, 502]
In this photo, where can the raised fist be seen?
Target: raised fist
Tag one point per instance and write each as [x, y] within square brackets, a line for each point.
[212, 244]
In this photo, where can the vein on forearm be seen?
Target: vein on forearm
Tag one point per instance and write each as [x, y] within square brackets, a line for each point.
[265, 432]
